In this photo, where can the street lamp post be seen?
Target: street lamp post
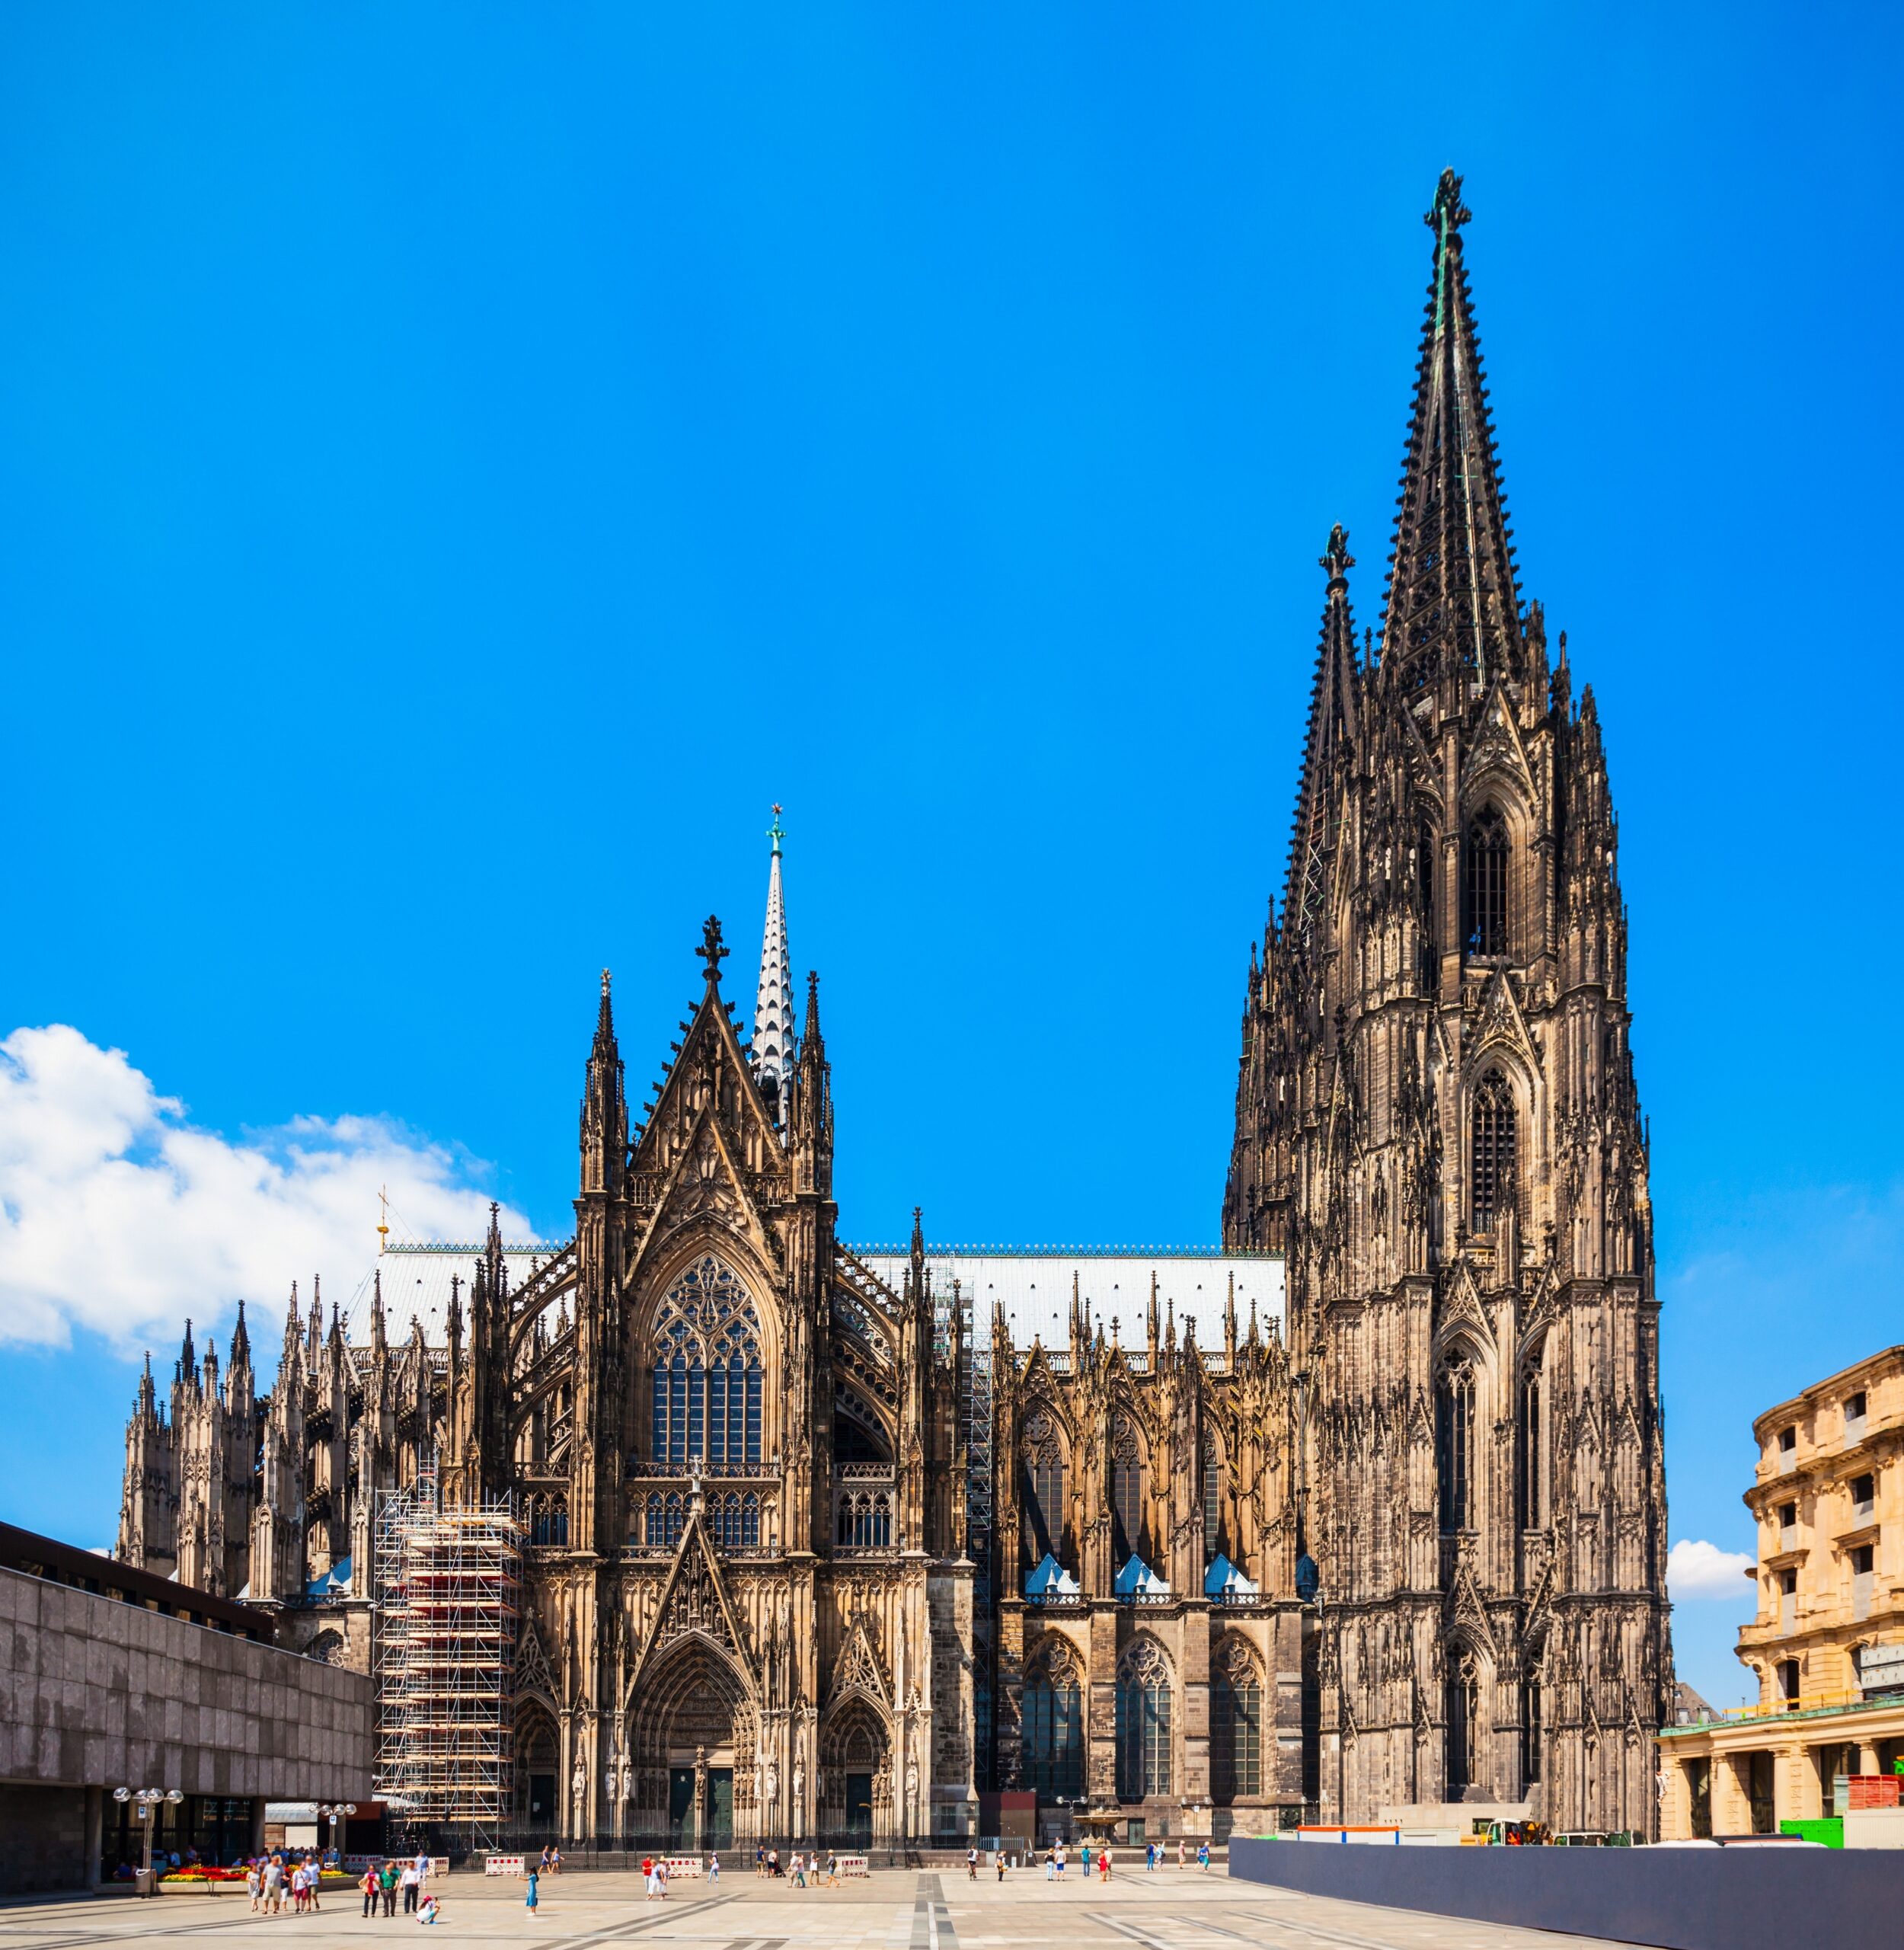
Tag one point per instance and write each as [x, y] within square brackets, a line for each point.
[337, 1814]
[147, 1801]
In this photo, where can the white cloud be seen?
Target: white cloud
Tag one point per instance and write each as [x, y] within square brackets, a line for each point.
[118, 1215]
[1697, 1569]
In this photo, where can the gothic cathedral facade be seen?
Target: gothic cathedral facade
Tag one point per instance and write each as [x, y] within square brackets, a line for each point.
[1437, 1124]
[1372, 1516]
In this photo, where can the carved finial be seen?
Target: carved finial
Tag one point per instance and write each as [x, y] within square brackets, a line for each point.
[776, 832]
[710, 950]
[605, 983]
[1336, 558]
[1449, 212]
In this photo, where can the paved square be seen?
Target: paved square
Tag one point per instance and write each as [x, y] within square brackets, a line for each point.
[891, 1910]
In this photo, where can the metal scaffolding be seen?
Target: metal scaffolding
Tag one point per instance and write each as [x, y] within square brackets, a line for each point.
[449, 1599]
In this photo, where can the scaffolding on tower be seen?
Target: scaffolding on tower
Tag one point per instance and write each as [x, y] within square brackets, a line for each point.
[449, 1603]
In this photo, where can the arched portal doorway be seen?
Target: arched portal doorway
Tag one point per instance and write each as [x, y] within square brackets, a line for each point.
[691, 1741]
[538, 1766]
[855, 1773]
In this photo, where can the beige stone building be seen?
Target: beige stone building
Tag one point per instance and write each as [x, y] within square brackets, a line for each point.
[1828, 1643]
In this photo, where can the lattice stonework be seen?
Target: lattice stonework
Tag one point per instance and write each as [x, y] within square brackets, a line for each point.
[448, 1616]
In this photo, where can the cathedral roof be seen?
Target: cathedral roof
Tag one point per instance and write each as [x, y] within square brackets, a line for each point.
[416, 1281]
[1035, 1284]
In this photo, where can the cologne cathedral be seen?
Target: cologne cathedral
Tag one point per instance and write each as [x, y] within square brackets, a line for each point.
[1364, 1511]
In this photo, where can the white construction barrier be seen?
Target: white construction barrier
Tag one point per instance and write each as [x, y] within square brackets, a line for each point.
[681, 1865]
[504, 1865]
[854, 1865]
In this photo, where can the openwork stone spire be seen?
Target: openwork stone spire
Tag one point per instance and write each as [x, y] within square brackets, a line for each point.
[1453, 604]
[774, 999]
[1331, 731]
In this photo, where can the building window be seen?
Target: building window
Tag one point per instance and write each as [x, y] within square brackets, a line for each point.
[1464, 1721]
[1864, 1497]
[1143, 1722]
[1236, 1724]
[1053, 1725]
[1854, 1412]
[865, 1521]
[1487, 883]
[1213, 1494]
[1788, 1600]
[1043, 1487]
[1430, 948]
[666, 1517]
[1862, 1563]
[1126, 1491]
[1788, 1442]
[1533, 1451]
[1533, 1730]
[1454, 1442]
[707, 1373]
[1492, 1167]
[1788, 1681]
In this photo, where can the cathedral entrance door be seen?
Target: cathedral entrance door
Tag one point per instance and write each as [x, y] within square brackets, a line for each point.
[681, 1809]
[541, 1801]
[859, 1808]
[720, 1808]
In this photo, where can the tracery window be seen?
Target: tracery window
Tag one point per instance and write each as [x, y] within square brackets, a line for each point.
[865, 1521]
[1126, 1489]
[1533, 1730]
[666, 1517]
[1430, 941]
[549, 1521]
[735, 1520]
[1491, 1169]
[1053, 1725]
[1454, 1442]
[1485, 882]
[1463, 1720]
[1532, 1481]
[1236, 1723]
[1143, 1721]
[1043, 1487]
[707, 1373]
[1213, 1492]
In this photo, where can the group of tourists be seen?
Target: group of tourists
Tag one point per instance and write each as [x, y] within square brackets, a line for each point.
[803, 1867]
[381, 1885]
[273, 1880]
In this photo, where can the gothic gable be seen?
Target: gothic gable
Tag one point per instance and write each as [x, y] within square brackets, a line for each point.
[1497, 749]
[694, 1603]
[858, 1668]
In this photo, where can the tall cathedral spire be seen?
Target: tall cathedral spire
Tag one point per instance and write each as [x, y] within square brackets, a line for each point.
[1332, 728]
[605, 1113]
[774, 1000]
[1453, 603]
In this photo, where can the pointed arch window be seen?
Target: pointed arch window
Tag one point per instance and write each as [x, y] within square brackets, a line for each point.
[1454, 1442]
[1043, 1487]
[1236, 1723]
[1212, 1494]
[1485, 883]
[1492, 1150]
[1143, 1721]
[1463, 1720]
[1533, 1729]
[1532, 1480]
[1053, 1726]
[1126, 1490]
[1429, 941]
[706, 1378]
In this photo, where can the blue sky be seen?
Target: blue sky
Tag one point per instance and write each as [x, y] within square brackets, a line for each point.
[458, 465]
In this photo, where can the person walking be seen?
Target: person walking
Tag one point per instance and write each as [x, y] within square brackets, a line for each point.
[1086, 1861]
[713, 1870]
[1060, 1853]
[760, 1859]
[313, 1880]
[368, 1886]
[254, 1884]
[274, 1886]
[1001, 1860]
[530, 1904]
[1203, 1857]
[971, 1865]
[1051, 1864]
[387, 1881]
[1180, 1852]
[407, 1882]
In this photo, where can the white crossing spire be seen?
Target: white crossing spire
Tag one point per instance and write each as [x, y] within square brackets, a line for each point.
[774, 1002]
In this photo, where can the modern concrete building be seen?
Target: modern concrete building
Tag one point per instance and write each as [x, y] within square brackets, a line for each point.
[116, 1678]
[1828, 1643]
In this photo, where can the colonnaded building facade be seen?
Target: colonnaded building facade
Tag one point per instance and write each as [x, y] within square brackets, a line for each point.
[1366, 1510]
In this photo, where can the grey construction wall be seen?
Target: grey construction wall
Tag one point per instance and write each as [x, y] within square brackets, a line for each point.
[1679, 1899]
[96, 1693]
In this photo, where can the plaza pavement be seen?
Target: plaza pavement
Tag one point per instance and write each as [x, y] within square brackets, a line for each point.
[891, 1910]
